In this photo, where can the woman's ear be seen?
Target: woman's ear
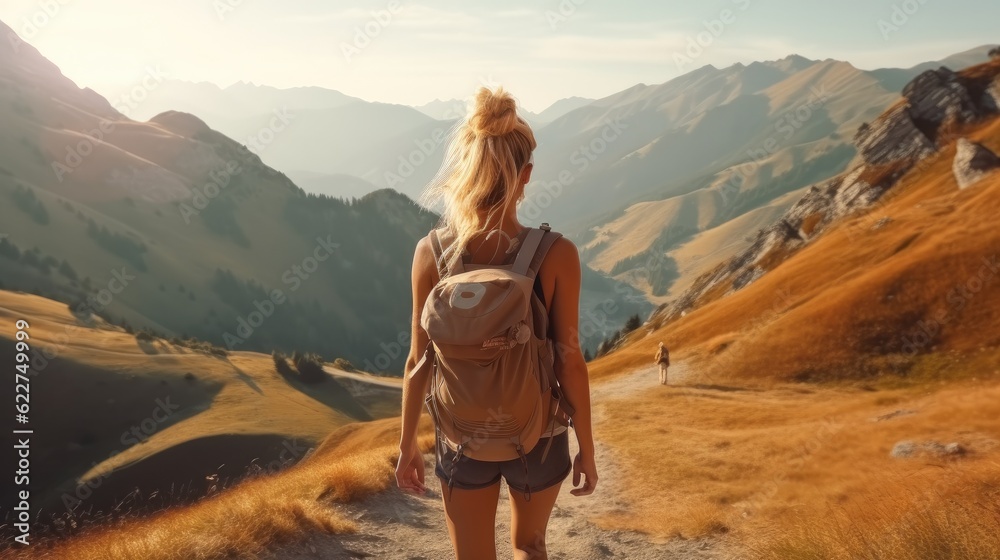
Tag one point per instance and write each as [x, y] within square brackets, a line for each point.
[526, 173]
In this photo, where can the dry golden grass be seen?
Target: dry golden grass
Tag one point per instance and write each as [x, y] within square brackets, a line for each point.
[955, 519]
[235, 406]
[717, 460]
[248, 518]
[845, 303]
[802, 470]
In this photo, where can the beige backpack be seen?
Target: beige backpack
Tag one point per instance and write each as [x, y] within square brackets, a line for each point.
[493, 387]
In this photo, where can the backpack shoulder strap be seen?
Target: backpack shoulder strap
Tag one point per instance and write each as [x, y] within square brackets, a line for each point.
[527, 251]
[536, 253]
[437, 250]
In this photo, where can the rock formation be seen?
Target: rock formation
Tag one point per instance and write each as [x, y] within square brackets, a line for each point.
[973, 161]
[933, 103]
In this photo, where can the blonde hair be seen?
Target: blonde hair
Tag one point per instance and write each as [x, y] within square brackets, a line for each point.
[479, 176]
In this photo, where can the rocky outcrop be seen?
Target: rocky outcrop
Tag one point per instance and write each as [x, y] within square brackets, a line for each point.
[910, 130]
[890, 146]
[895, 137]
[973, 162]
[911, 449]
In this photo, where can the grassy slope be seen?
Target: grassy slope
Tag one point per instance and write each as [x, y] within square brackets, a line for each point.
[238, 404]
[134, 184]
[744, 178]
[856, 292]
[779, 468]
[356, 461]
[802, 470]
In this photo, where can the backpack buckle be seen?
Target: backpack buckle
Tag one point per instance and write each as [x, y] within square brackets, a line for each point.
[545, 227]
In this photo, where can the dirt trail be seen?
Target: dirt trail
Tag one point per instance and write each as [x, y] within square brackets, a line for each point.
[393, 525]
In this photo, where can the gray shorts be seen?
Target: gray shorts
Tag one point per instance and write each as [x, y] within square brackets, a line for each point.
[527, 476]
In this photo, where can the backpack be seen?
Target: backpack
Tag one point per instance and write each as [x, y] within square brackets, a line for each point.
[663, 356]
[493, 389]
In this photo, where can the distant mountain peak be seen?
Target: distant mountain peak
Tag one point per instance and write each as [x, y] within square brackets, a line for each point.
[791, 63]
[183, 124]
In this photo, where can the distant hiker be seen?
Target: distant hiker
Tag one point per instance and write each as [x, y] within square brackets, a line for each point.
[663, 359]
[495, 354]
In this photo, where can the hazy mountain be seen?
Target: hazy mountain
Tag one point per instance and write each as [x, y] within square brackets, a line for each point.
[896, 78]
[321, 130]
[171, 225]
[650, 173]
[334, 185]
[444, 109]
[890, 259]
[238, 101]
[560, 108]
[451, 109]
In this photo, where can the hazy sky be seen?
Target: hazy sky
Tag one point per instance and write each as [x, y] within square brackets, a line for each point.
[542, 50]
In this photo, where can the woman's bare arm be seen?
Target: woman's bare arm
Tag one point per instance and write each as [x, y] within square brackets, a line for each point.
[409, 472]
[561, 278]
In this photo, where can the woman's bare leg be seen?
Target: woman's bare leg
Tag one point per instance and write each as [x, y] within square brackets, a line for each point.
[528, 522]
[471, 517]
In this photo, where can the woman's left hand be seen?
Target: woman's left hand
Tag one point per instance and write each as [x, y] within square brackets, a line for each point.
[587, 467]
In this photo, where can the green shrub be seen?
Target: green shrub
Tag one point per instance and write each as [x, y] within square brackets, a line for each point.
[309, 366]
[344, 364]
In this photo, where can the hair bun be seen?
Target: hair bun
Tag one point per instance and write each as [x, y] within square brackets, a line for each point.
[495, 113]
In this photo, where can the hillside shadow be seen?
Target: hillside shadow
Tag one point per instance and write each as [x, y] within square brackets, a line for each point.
[722, 388]
[249, 380]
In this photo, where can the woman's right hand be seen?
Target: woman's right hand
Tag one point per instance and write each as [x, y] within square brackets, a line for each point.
[410, 469]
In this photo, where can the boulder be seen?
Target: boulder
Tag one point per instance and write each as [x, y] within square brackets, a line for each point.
[941, 95]
[893, 137]
[973, 161]
[909, 449]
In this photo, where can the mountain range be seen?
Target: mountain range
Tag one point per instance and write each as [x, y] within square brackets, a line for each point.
[172, 226]
[680, 174]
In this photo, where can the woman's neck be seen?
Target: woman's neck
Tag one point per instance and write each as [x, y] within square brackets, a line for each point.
[508, 223]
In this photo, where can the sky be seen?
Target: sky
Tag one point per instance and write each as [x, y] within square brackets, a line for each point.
[412, 52]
